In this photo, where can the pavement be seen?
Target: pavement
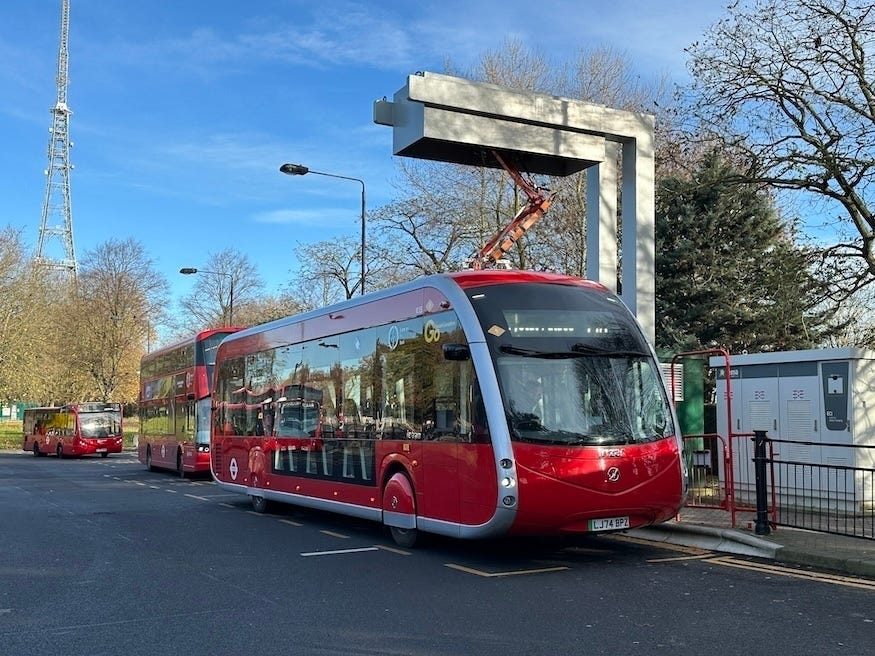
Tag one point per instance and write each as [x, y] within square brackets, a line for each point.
[711, 529]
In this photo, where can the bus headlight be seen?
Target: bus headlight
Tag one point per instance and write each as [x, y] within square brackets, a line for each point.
[508, 482]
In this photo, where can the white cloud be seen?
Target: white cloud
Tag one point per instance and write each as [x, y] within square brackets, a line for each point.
[322, 217]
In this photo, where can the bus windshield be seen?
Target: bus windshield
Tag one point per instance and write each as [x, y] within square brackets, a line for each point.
[100, 424]
[573, 366]
[206, 353]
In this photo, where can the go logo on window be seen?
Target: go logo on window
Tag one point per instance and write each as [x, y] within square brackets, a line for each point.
[431, 332]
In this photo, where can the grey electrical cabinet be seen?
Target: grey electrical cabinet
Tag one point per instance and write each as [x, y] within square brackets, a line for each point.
[823, 400]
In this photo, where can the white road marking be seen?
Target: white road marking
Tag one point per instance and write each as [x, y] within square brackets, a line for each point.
[469, 570]
[337, 552]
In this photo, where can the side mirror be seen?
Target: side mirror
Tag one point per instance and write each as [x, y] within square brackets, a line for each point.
[457, 352]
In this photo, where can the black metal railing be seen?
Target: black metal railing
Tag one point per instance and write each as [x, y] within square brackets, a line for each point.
[832, 490]
[825, 487]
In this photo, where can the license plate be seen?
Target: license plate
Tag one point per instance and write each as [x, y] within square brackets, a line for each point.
[101, 450]
[609, 524]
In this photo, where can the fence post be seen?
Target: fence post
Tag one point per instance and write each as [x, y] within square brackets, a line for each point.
[759, 460]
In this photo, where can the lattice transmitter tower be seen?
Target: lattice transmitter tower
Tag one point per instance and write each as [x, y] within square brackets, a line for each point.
[57, 219]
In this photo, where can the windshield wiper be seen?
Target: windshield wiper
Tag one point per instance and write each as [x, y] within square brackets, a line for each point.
[532, 353]
[578, 350]
[586, 349]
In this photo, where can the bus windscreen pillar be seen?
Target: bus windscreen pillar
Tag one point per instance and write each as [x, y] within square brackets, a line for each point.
[449, 119]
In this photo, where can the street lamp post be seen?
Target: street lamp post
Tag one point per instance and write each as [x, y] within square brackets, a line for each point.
[298, 169]
[190, 270]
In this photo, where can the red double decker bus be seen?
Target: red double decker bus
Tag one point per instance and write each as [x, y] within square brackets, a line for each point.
[470, 404]
[77, 429]
[174, 404]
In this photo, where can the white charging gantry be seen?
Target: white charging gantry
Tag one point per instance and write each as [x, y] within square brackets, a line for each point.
[450, 119]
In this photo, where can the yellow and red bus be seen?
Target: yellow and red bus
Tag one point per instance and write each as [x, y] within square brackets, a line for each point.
[76, 429]
[174, 404]
[470, 404]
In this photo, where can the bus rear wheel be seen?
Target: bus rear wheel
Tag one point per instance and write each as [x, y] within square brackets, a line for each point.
[259, 504]
[36, 452]
[149, 458]
[179, 469]
[60, 451]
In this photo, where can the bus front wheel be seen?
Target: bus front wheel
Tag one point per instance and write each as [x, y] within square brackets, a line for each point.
[404, 537]
[36, 452]
[149, 458]
[179, 469]
[399, 507]
[60, 451]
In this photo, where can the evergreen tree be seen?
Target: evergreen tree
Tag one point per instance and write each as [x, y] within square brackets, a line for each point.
[729, 272]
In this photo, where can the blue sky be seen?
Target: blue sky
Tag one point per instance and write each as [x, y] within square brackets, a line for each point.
[183, 110]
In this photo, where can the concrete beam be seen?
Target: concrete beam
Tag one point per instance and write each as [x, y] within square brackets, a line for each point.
[447, 119]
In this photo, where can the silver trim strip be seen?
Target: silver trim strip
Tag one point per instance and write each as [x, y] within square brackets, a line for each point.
[353, 510]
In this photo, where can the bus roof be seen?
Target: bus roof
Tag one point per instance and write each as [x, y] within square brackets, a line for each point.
[204, 334]
[84, 406]
[443, 290]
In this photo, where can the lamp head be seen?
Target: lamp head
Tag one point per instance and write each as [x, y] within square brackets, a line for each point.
[294, 169]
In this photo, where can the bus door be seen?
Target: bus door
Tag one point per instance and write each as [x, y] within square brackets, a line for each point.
[60, 429]
[445, 381]
[460, 464]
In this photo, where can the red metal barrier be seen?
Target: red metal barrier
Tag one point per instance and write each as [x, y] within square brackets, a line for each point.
[728, 501]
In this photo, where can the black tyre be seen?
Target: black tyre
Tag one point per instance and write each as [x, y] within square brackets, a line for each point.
[60, 451]
[404, 537]
[104, 455]
[179, 469]
[259, 504]
[36, 451]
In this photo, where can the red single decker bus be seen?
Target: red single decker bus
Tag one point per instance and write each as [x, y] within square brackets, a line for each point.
[469, 404]
[77, 429]
[174, 403]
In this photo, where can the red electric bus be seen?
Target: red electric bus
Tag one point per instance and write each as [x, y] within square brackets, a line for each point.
[175, 403]
[469, 404]
[76, 429]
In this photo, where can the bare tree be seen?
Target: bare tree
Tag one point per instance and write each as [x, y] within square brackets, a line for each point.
[329, 271]
[224, 285]
[436, 225]
[270, 307]
[788, 84]
[108, 321]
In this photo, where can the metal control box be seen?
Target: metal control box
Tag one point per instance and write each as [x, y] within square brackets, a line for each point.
[821, 401]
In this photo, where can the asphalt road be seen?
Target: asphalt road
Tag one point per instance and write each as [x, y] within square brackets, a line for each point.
[100, 556]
